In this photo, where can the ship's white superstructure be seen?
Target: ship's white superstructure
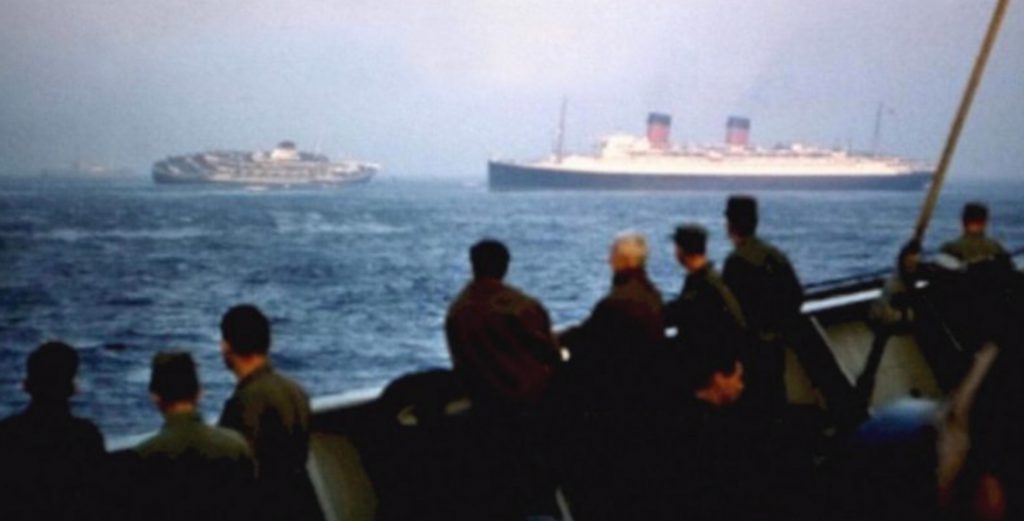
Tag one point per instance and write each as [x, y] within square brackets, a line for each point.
[652, 161]
[285, 165]
[624, 153]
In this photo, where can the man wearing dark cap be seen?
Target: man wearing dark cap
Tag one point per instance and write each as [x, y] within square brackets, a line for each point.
[973, 245]
[769, 294]
[189, 470]
[971, 289]
[706, 313]
[272, 412]
[49, 459]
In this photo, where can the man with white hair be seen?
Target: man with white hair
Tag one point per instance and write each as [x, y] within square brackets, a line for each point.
[627, 321]
[605, 383]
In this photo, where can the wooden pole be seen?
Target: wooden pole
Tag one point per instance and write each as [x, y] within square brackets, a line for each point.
[958, 123]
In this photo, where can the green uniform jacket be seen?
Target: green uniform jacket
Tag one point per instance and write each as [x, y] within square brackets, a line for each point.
[192, 471]
[972, 248]
[272, 412]
[706, 314]
[766, 286]
[185, 433]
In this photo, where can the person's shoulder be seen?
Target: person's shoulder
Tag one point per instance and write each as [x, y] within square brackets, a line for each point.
[511, 299]
[88, 428]
[257, 389]
[154, 444]
[632, 296]
[508, 291]
[714, 280]
[11, 422]
[11, 428]
[277, 381]
[86, 433]
[462, 298]
[228, 441]
[996, 246]
[749, 253]
[773, 252]
[952, 247]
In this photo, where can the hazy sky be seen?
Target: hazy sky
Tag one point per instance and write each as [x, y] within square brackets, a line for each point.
[436, 88]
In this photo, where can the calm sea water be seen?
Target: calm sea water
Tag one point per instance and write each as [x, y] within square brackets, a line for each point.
[357, 280]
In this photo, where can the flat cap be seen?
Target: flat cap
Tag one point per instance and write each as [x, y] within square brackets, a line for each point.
[691, 238]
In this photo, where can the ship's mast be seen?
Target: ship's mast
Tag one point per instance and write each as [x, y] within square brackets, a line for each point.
[878, 128]
[560, 137]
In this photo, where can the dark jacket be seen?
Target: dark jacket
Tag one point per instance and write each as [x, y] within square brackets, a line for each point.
[501, 343]
[765, 285]
[192, 471]
[973, 295]
[706, 314]
[611, 349]
[272, 412]
[605, 395]
[49, 464]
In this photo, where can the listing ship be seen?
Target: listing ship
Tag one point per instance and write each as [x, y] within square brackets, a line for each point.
[283, 166]
[655, 163]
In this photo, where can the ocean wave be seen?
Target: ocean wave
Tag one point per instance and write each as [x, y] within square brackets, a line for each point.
[160, 234]
[314, 223]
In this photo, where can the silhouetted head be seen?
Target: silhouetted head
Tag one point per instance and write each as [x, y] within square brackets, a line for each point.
[173, 378]
[51, 371]
[691, 245]
[741, 214]
[628, 252]
[974, 217]
[490, 259]
[246, 330]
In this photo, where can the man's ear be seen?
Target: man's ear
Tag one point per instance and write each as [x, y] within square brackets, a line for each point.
[157, 402]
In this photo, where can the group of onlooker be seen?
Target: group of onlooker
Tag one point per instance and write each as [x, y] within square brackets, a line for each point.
[251, 466]
[645, 410]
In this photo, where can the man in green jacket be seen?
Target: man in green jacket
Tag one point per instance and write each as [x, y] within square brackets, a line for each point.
[272, 412]
[706, 314]
[770, 295]
[973, 245]
[189, 470]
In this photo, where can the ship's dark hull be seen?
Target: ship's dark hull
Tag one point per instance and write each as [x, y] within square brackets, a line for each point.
[510, 176]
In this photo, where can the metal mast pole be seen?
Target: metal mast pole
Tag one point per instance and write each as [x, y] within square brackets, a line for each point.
[878, 129]
[560, 142]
